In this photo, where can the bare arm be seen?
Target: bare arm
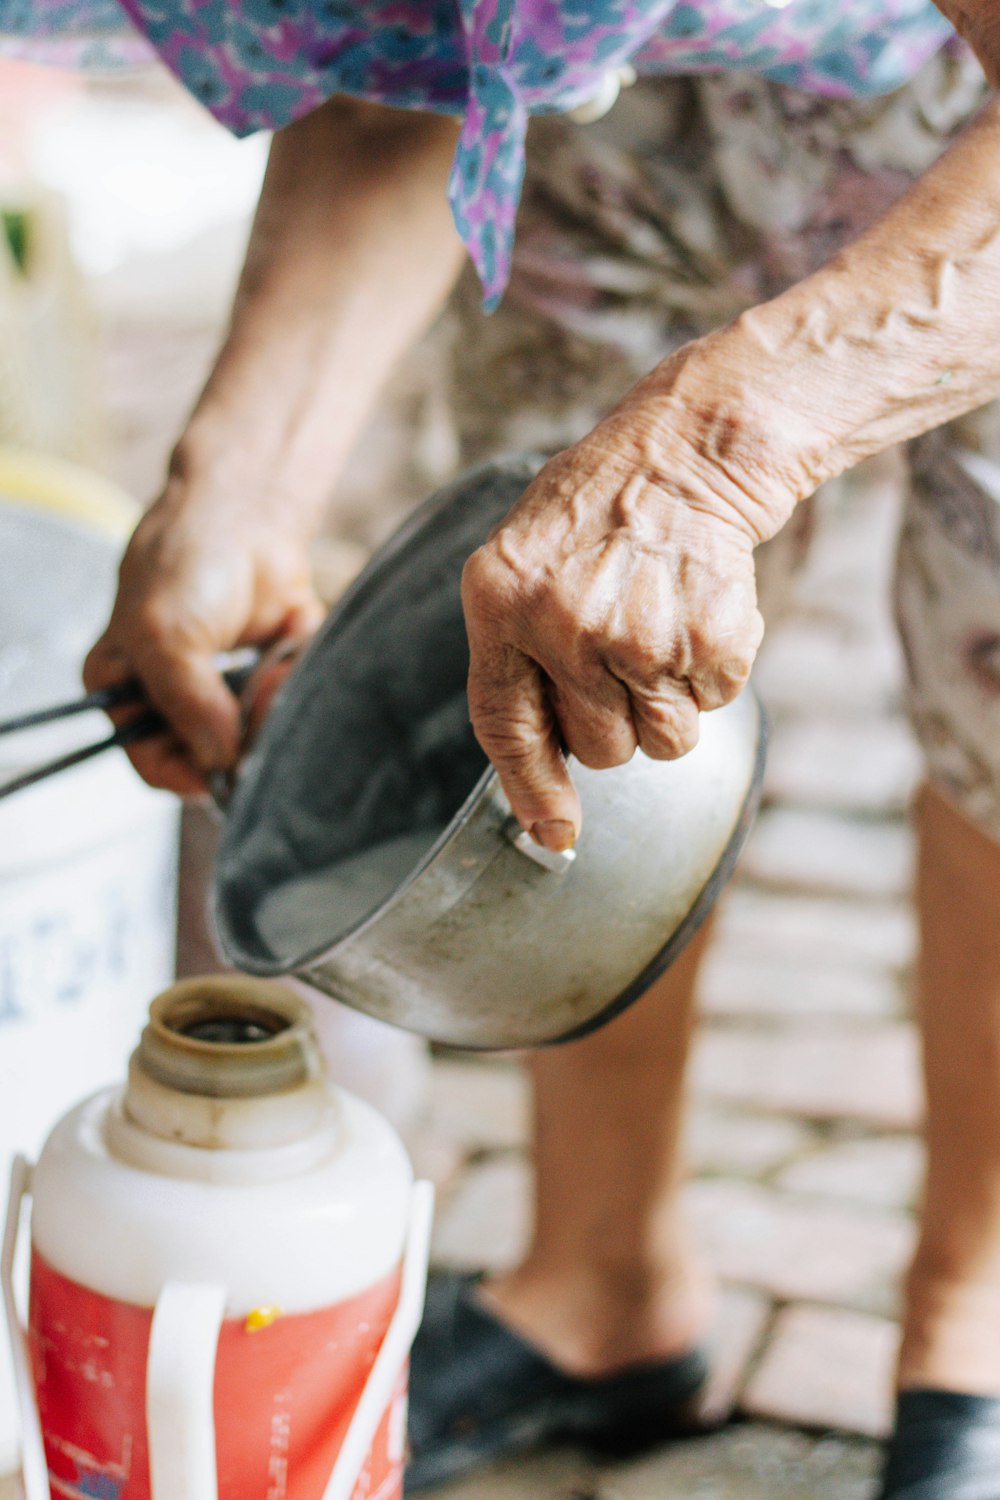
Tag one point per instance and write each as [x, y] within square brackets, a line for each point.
[979, 22]
[895, 335]
[618, 600]
[352, 253]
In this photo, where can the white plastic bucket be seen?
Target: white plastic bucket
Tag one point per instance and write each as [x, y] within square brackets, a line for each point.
[87, 860]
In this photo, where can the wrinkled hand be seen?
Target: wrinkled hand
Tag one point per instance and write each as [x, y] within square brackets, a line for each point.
[194, 582]
[614, 603]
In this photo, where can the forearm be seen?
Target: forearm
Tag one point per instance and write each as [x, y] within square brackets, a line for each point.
[901, 331]
[351, 254]
[897, 334]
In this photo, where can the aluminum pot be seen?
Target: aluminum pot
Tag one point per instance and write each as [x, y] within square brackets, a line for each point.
[369, 849]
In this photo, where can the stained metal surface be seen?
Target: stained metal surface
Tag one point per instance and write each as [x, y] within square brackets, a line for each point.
[433, 919]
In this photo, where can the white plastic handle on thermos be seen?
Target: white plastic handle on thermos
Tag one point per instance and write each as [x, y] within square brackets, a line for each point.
[180, 1378]
[394, 1349]
[34, 1469]
[180, 1371]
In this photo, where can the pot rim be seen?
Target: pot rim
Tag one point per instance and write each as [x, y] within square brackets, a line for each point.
[487, 788]
[291, 695]
[702, 905]
[487, 785]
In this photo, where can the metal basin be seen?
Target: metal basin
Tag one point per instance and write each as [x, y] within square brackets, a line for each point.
[369, 848]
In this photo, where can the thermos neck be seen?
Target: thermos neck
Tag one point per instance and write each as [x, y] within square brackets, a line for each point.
[228, 1063]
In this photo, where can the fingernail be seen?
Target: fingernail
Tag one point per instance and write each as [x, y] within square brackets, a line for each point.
[556, 834]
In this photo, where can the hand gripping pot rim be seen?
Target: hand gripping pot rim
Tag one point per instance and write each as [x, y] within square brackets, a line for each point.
[227, 1257]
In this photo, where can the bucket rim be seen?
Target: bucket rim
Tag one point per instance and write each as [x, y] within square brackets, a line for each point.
[58, 485]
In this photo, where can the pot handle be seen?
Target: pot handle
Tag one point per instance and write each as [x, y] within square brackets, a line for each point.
[34, 1469]
[394, 1350]
[180, 1378]
[549, 859]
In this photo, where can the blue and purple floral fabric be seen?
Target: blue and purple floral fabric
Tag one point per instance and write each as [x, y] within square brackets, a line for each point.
[257, 64]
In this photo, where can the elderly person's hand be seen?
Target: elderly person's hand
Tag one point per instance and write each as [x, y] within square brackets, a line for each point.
[615, 602]
[617, 599]
[197, 580]
[352, 252]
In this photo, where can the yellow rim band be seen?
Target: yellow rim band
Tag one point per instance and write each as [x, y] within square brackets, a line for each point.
[55, 484]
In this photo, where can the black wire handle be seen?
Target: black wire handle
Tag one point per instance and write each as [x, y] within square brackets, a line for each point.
[142, 728]
[105, 698]
[235, 667]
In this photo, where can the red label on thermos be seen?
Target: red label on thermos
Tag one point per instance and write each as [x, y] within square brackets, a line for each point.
[284, 1395]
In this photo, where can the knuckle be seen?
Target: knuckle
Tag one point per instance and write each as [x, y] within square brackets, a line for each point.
[637, 650]
[572, 616]
[702, 641]
[102, 665]
[502, 735]
[733, 676]
[668, 729]
[668, 748]
[485, 704]
[473, 573]
[512, 743]
[714, 689]
[602, 756]
[482, 582]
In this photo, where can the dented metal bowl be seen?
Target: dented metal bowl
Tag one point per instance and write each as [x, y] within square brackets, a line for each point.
[369, 849]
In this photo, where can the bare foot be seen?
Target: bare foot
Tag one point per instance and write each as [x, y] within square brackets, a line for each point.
[951, 1336]
[591, 1325]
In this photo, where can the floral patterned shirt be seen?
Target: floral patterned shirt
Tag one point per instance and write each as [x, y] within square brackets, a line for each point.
[260, 63]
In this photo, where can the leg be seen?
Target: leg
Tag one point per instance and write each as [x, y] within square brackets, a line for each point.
[610, 1280]
[952, 1328]
[949, 611]
[596, 1338]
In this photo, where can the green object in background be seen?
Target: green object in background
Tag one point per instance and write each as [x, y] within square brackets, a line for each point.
[17, 235]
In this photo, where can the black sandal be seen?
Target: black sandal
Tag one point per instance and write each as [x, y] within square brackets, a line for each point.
[945, 1446]
[478, 1392]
